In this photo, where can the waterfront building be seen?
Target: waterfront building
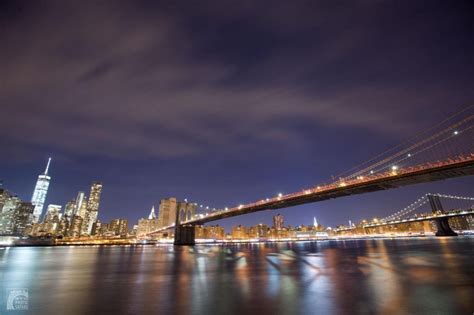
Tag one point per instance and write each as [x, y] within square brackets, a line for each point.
[63, 226]
[259, 230]
[470, 221]
[23, 218]
[40, 192]
[80, 207]
[214, 232]
[152, 215]
[96, 228]
[53, 213]
[4, 195]
[459, 223]
[92, 206]
[278, 222]
[167, 211]
[69, 209]
[199, 232]
[7, 216]
[104, 228]
[76, 226]
[119, 227]
[239, 232]
[146, 226]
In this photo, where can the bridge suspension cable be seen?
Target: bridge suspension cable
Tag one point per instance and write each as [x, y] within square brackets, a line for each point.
[411, 149]
[420, 202]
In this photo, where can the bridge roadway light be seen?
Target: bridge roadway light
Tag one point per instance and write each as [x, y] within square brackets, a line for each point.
[456, 132]
[241, 206]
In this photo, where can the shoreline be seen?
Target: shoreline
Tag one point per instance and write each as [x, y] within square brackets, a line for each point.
[47, 243]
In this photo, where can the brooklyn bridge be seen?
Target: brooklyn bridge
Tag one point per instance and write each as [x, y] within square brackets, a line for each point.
[443, 151]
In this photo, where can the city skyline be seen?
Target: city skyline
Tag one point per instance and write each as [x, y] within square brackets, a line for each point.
[237, 157]
[223, 121]
[265, 217]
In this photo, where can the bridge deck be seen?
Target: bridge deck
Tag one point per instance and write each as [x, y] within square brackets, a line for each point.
[414, 219]
[462, 166]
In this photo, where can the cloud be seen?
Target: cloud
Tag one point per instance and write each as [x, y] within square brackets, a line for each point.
[122, 80]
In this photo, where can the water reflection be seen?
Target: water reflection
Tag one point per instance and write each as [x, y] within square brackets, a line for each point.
[429, 275]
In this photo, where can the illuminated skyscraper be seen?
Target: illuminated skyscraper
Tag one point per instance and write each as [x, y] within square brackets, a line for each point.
[80, 207]
[167, 211]
[92, 206]
[69, 210]
[278, 222]
[152, 213]
[53, 213]
[39, 194]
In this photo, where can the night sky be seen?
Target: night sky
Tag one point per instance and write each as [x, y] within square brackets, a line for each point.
[225, 102]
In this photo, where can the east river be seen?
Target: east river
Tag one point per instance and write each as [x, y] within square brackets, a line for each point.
[381, 276]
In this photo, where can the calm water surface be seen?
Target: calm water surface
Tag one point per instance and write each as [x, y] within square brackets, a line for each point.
[403, 276]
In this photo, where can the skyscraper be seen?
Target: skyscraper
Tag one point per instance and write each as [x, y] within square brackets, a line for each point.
[7, 216]
[69, 210]
[81, 205]
[93, 206]
[152, 213]
[278, 222]
[22, 218]
[167, 211]
[39, 194]
[52, 213]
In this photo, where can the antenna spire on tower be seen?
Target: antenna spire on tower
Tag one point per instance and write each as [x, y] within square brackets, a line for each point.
[47, 167]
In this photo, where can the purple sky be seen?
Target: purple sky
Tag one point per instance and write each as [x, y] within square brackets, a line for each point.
[225, 102]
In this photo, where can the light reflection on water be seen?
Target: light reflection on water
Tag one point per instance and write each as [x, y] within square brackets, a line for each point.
[403, 276]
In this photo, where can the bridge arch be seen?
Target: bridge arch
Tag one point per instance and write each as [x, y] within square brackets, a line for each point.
[182, 215]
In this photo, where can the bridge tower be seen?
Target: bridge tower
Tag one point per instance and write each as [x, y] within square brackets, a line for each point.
[442, 223]
[184, 233]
